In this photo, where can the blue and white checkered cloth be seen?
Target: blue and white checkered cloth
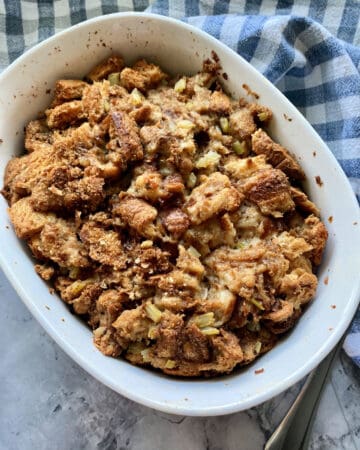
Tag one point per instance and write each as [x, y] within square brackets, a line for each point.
[310, 49]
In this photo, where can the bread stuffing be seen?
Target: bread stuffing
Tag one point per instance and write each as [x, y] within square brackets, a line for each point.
[164, 214]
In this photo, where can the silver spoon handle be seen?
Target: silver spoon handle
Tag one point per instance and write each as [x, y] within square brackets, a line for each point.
[292, 430]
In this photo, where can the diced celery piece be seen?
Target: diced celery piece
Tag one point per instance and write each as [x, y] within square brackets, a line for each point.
[263, 116]
[257, 304]
[153, 312]
[204, 320]
[194, 252]
[114, 78]
[239, 147]
[170, 364]
[258, 347]
[210, 331]
[209, 159]
[152, 331]
[224, 124]
[191, 181]
[180, 85]
[106, 106]
[136, 97]
[185, 124]
[146, 355]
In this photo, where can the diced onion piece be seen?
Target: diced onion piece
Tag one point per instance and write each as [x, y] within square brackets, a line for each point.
[136, 97]
[239, 147]
[180, 85]
[146, 244]
[204, 292]
[153, 312]
[146, 355]
[106, 106]
[152, 331]
[240, 244]
[224, 124]
[170, 364]
[78, 286]
[114, 78]
[194, 252]
[210, 331]
[209, 159]
[204, 320]
[185, 124]
[264, 116]
[257, 304]
[258, 347]
[191, 181]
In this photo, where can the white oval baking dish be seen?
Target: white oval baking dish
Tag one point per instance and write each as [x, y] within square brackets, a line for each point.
[24, 92]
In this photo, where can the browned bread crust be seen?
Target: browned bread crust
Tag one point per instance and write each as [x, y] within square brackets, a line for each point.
[164, 216]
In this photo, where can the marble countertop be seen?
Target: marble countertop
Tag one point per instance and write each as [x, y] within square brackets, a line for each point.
[49, 402]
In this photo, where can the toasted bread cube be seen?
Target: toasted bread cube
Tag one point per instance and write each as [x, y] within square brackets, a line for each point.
[26, 221]
[66, 90]
[270, 190]
[212, 197]
[276, 155]
[65, 114]
[105, 68]
[142, 75]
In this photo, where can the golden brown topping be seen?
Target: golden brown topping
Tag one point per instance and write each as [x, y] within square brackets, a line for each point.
[26, 221]
[219, 103]
[291, 247]
[242, 124]
[277, 155]
[59, 243]
[270, 190]
[95, 101]
[65, 114]
[124, 139]
[133, 324]
[165, 217]
[240, 169]
[176, 221]
[44, 271]
[141, 76]
[299, 286]
[137, 214]
[303, 202]
[37, 136]
[151, 186]
[102, 70]
[211, 234]
[315, 233]
[66, 90]
[104, 246]
[215, 195]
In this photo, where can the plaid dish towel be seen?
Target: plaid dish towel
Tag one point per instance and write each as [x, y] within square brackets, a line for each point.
[310, 49]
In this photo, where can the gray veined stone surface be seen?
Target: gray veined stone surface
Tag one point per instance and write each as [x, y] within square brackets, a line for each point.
[48, 402]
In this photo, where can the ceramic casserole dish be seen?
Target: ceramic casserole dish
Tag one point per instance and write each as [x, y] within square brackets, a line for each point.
[24, 88]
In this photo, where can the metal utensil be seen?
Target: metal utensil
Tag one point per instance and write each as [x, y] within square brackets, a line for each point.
[293, 431]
